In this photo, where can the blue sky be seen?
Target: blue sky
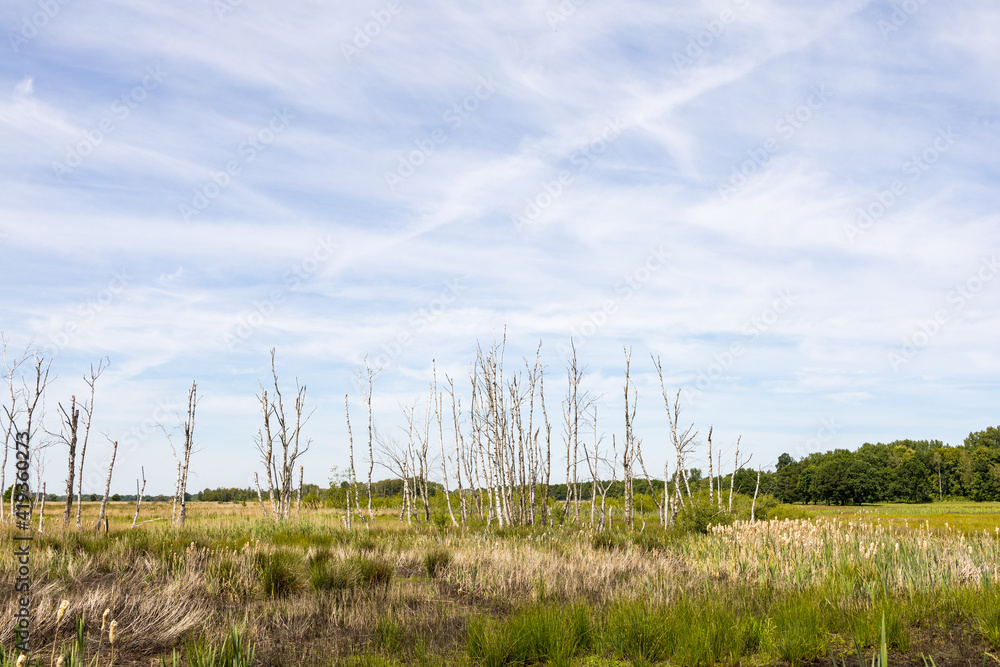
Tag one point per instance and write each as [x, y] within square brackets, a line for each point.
[792, 204]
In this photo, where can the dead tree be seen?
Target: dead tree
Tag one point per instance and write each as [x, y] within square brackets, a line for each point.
[107, 486]
[438, 410]
[353, 482]
[366, 387]
[88, 412]
[629, 447]
[138, 495]
[32, 398]
[71, 423]
[188, 427]
[546, 520]
[298, 498]
[11, 414]
[711, 473]
[456, 408]
[571, 417]
[260, 496]
[286, 431]
[682, 441]
[753, 505]
[177, 490]
[737, 466]
[41, 509]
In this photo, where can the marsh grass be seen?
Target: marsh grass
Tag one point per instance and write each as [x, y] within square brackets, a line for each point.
[793, 591]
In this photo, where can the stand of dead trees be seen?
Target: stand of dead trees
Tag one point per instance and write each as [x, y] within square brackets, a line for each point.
[498, 456]
[283, 429]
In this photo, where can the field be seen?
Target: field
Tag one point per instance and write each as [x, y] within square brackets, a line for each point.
[798, 590]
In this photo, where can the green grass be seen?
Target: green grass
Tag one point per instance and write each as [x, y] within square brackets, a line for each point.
[962, 516]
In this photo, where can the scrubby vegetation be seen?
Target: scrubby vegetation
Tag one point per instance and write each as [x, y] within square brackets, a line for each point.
[232, 589]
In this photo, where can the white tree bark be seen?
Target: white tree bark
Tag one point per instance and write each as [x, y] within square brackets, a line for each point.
[107, 486]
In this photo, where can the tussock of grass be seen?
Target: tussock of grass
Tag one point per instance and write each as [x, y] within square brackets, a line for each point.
[436, 559]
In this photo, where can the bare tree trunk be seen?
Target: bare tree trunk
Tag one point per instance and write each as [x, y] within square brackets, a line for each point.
[107, 486]
[753, 505]
[459, 449]
[298, 500]
[354, 482]
[546, 519]
[628, 453]
[711, 473]
[438, 400]
[718, 466]
[41, 509]
[732, 480]
[71, 422]
[371, 433]
[593, 473]
[138, 495]
[288, 434]
[188, 445]
[666, 494]
[260, 496]
[88, 410]
[177, 488]
[682, 442]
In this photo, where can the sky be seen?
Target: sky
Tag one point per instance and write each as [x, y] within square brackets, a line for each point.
[793, 205]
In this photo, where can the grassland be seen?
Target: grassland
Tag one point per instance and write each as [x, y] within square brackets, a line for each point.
[787, 591]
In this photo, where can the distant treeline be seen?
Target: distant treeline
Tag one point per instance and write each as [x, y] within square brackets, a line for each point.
[904, 470]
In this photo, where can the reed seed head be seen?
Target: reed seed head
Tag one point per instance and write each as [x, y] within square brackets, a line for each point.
[21, 660]
[112, 630]
[104, 619]
[62, 611]
[59, 662]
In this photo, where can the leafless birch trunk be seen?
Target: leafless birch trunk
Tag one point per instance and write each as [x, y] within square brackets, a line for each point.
[71, 422]
[711, 473]
[260, 496]
[88, 411]
[107, 486]
[138, 495]
[41, 509]
[438, 409]
[753, 505]
[682, 441]
[188, 446]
